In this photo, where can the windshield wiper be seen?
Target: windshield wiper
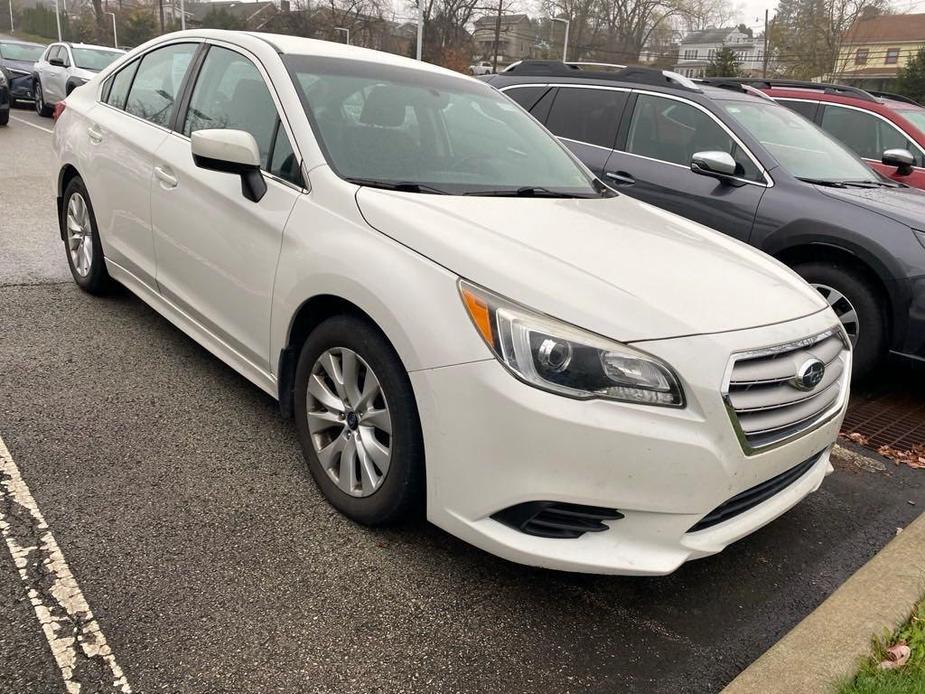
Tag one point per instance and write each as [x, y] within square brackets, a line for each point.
[823, 182]
[524, 192]
[401, 186]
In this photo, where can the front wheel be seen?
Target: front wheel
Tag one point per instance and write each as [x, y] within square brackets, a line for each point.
[859, 308]
[358, 424]
[82, 240]
[41, 107]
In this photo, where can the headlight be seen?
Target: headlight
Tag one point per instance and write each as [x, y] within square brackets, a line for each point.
[561, 358]
[21, 73]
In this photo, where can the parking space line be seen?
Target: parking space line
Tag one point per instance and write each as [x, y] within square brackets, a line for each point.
[76, 640]
[32, 125]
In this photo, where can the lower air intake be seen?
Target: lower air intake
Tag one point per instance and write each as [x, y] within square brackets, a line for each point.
[758, 494]
[556, 520]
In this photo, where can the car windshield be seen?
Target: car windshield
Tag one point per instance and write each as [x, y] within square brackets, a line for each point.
[93, 59]
[916, 116]
[420, 131]
[802, 148]
[25, 52]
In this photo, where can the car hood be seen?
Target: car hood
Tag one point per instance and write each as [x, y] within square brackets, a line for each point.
[616, 266]
[903, 205]
[83, 73]
[23, 65]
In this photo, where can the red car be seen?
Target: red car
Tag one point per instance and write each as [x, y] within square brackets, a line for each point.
[878, 126]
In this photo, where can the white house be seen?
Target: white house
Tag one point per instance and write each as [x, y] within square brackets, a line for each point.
[698, 48]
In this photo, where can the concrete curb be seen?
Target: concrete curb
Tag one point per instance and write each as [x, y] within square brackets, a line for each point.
[827, 646]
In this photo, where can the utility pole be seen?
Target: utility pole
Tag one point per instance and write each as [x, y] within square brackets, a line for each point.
[12, 28]
[115, 35]
[494, 64]
[420, 50]
[160, 10]
[58, 19]
[764, 58]
[565, 41]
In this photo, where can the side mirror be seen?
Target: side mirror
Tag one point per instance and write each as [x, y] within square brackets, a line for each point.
[719, 165]
[234, 152]
[57, 62]
[902, 159]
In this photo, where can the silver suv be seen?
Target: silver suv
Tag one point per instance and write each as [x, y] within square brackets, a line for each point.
[64, 67]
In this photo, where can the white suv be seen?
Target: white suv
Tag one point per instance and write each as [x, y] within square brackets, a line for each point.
[65, 66]
[439, 293]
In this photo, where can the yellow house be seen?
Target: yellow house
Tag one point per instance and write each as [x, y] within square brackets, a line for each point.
[874, 49]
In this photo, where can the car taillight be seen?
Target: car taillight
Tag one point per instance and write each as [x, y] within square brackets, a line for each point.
[59, 109]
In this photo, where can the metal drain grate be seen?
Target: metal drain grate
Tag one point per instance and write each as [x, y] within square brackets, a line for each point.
[893, 414]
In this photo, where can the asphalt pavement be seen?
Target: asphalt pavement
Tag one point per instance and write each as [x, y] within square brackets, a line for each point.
[180, 500]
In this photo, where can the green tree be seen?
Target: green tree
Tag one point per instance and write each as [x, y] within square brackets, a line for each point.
[723, 64]
[221, 19]
[911, 80]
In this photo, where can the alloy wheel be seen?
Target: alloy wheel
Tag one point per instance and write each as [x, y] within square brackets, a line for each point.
[79, 234]
[349, 422]
[843, 308]
[39, 100]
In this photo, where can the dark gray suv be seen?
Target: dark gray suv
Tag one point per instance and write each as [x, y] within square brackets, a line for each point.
[734, 160]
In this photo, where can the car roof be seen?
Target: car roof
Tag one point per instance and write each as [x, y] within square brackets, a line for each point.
[297, 45]
[637, 77]
[94, 46]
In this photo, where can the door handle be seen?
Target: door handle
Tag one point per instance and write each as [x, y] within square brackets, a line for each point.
[621, 178]
[164, 175]
[96, 135]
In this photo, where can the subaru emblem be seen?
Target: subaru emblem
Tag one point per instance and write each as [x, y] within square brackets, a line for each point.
[809, 375]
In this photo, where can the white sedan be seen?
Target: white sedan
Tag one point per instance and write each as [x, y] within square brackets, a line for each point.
[458, 316]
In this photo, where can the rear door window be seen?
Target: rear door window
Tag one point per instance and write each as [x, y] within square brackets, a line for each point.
[807, 109]
[119, 85]
[526, 96]
[587, 115]
[156, 86]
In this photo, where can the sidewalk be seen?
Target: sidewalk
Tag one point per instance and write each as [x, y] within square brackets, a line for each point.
[827, 646]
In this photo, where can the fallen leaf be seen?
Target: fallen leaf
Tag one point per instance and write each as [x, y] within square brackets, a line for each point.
[858, 438]
[896, 656]
[914, 458]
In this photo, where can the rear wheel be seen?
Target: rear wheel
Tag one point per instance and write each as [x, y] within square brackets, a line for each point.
[358, 424]
[859, 307]
[41, 107]
[82, 240]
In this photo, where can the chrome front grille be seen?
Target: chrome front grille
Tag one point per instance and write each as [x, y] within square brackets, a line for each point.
[776, 394]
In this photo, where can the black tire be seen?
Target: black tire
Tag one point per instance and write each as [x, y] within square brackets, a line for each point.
[41, 107]
[4, 116]
[97, 280]
[401, 494]
[871, 343]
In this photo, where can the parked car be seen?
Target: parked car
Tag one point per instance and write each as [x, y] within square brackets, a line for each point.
[886, 130]
[734, 160]
[483, 67]
[65, 66]
[456, 313]
[17, 61]
[4, 100]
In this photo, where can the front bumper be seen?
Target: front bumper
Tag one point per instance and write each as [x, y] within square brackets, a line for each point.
[21, 88]
[493, 442]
